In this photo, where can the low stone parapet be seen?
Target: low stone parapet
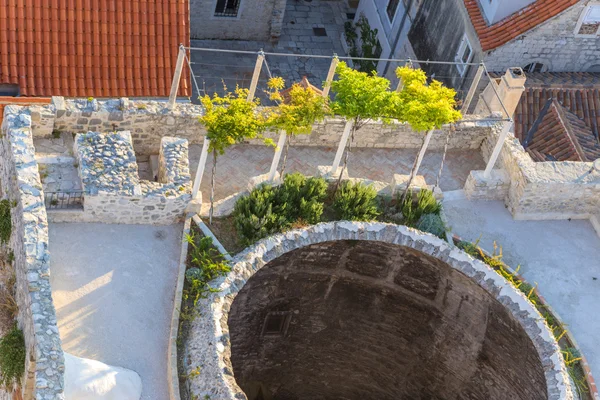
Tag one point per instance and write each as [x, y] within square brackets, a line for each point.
[478, 187]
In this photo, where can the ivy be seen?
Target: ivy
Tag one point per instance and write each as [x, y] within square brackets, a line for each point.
[5, 221]
[12, 357]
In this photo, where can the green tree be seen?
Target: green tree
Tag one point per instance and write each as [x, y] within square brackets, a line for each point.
[424, 107]
[230, 119]
[296, 113]
[359, 98]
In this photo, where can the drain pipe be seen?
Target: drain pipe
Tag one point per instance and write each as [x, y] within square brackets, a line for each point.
[397, 39]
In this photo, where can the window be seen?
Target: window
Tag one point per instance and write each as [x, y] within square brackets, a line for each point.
[589, 22]
[276, 323]
[464, 55]
[227, 8]
[391, 9]
[535, 67]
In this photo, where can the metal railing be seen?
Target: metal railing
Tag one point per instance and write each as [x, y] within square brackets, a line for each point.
[64, 200]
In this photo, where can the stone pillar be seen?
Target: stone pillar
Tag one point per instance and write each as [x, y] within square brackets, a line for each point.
[504, 96]
[277, 19]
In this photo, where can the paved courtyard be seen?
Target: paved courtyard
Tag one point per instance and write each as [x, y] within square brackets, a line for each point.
[213, 69]
[240, 163]
[113, 289]
[562, 257]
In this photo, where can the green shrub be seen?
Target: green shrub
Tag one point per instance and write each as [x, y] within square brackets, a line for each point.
[412, 210]
[5, 222]
[299, 198]
[433, 224]
[254, 217]
[356, 202]
[12, 357]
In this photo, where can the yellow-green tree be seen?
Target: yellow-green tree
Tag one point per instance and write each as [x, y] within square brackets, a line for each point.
[230, 119]
[359, 98]
[296, 113]
[424, 107]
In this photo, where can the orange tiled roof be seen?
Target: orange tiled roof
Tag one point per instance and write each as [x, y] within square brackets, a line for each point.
[492, 36]
[99, 48]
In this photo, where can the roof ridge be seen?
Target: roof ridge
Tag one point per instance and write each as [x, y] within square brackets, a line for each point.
[569, 130]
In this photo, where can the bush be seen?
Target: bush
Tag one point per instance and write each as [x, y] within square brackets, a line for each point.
[12, 357]
[208, 265]
[433, 224]
[356, 202]
[412, 210]
[299, 198]
[5, 222]
[254, 217]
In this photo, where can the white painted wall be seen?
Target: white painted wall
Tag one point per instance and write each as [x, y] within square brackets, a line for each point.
[496, 10]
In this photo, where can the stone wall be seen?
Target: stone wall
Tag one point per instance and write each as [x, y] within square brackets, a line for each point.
[552, 43]
[113, 192]
[545, 190]
[149, 121]
[209, 344]
[20, 183]
[256, 20]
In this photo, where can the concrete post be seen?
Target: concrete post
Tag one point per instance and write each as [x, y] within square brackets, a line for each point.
[497, 149]
[176, 77]
[201, 165]
[341, 147]
[472, 89]
[504, 96]
[277, 156]
[256, 75]
[327, 87]
[423, 150]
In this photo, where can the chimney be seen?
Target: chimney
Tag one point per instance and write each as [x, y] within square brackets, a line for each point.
[509, 91]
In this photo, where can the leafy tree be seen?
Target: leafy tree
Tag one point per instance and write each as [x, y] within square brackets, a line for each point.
[229, 120]
[361, 97]
[296, 113]
[424, 107]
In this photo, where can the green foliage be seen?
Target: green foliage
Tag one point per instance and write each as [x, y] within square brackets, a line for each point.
[232, 119]
[425, 106]
[369, 44]
[267, 210]
[12, 357]
[5, 221]
[298, 111]
[356, 202]
[361, 96]
[433, 224]
[425, 204]
[56, 134]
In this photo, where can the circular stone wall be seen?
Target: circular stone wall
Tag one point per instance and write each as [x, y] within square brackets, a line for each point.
[370, 311]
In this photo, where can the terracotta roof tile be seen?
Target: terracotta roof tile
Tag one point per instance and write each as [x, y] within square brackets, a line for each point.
[82, 48]
[492, 36]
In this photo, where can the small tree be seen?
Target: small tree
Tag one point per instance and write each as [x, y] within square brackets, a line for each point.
[229, 120]
[359, 98]
[424, 107]
[296, 113]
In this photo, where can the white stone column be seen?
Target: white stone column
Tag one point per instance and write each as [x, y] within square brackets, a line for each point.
[256, 75]
[330, 75]
[423, 150]
[341, 148]
[497, 149]
[200, 170]
[176, 78]
[472, 89]
[277, 155]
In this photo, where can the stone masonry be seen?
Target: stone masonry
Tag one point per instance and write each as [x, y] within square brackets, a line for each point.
[552, 43]
[210, 348]
[20, 183]
[113, 192]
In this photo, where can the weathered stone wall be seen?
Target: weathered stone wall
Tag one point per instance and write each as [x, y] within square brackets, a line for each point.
[20, 183]
[546, 190]
[149, 121]
[377, 320]
[256, 20]
[552, 43]
[113, 192]
[209, 343]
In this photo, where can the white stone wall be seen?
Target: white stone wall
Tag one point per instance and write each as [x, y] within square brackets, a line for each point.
[546, 190]
[20, 183]
[113, 192]
[552, 43]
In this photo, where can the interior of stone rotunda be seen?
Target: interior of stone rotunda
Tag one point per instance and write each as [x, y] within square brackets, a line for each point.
[370, 320]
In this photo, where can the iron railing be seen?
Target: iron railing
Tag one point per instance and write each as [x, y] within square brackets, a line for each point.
[63, 200]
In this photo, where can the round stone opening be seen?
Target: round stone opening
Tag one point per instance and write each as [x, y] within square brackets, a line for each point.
[371, 320]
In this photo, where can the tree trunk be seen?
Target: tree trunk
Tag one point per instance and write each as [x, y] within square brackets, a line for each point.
[417, 164]
[285, 154]
[439, 176]
[348, 151]
[212, 187]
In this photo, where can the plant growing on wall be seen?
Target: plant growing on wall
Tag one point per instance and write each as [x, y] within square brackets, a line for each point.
[5, 222]
[367, 47]
[12, 357]
[424, 107]
[360, 98]
[230, 119]
[296, 113]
